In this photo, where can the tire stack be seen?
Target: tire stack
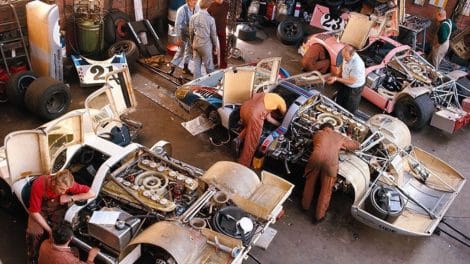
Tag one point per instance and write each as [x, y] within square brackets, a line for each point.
[116, 37]
[44, 96]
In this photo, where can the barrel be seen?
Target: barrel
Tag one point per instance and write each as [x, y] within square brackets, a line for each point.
[90, 37]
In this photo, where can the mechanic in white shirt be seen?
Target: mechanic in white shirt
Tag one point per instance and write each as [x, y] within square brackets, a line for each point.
[352, 80]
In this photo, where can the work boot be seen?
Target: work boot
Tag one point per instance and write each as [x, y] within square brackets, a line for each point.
[186, 69]
[172, 70]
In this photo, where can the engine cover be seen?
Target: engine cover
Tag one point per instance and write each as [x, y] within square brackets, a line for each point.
[117, 235]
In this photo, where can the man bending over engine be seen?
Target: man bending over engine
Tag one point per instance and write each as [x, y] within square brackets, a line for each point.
[253, 113]
[323, 165]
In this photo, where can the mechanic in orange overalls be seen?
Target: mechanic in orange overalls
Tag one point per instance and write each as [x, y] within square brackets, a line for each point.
[323, 165]
[253, 113]
[315, 59]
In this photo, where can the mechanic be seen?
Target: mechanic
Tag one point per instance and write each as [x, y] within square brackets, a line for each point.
[323, 166]
[57, 250]
[441, 42]
[49, 198]
[203, 37]
[352, 80]
[184, 52]
[315, 59]
[253, 113]
[219, 11]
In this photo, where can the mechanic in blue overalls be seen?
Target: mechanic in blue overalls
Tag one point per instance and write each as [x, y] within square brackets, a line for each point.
[184, 52]
[203, 37]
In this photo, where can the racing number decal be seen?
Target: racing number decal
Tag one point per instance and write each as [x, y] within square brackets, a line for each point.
[331, 22]
[99, 72]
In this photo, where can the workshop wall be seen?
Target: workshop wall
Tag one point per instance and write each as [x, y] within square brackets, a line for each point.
[151, 8]
[429, 11]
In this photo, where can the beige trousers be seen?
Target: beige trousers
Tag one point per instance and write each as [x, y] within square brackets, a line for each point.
[438, 53]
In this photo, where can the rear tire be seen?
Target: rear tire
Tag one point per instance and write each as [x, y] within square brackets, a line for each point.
[48, 98]
[115, 26]
[414, 112]
[6, 196]
[129, 48]
[17, 86]
[290, 32]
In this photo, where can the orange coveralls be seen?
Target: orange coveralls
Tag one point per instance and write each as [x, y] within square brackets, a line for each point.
[323, 163]
[315, 59]
[253, 113]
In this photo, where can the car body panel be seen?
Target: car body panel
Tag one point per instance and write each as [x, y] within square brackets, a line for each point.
[93, 72]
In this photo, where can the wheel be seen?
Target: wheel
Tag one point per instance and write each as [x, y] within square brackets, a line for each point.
[247, 33]
[6, 196]
[128, 47]
[115, 26]
[290, 32]
[463, 88]
[155, 255]
[385, 202]
[17, 85]
[48, 98]
[414, 112]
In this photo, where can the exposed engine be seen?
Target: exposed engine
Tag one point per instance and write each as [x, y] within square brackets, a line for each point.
[144, 188]
[411, 71]
[296, 145]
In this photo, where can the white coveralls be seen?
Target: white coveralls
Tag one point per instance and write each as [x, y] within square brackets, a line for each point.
[203, 36]
[184, 52]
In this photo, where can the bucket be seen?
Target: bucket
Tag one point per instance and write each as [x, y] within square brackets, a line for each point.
[172, 38]
[90, 37]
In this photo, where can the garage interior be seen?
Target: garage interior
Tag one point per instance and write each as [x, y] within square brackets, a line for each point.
[340, 238]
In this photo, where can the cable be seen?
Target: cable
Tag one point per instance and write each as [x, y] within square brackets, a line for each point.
[455, 229]
[452, 236]
[254, 259]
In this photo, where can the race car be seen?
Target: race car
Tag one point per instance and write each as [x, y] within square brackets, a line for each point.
[396, 186]
[150, 207]
[399, 80]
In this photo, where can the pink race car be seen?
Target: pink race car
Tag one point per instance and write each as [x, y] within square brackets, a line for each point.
[399, 80]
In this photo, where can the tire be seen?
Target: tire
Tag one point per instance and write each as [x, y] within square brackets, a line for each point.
[17, 85]
[115, 26]
[463, 88]
[247, 33]
[48, 98]
[6, 196]
[414, 112]
[290, 32]
[129, 48]
[375, 206]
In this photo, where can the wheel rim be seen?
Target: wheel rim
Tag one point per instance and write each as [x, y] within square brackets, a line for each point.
[120, 23]
[411, 114]
[291, 30]
[24, 82]
[56, 103]
[122, 47]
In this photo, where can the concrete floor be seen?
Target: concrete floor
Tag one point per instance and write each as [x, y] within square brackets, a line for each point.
[338, 239]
